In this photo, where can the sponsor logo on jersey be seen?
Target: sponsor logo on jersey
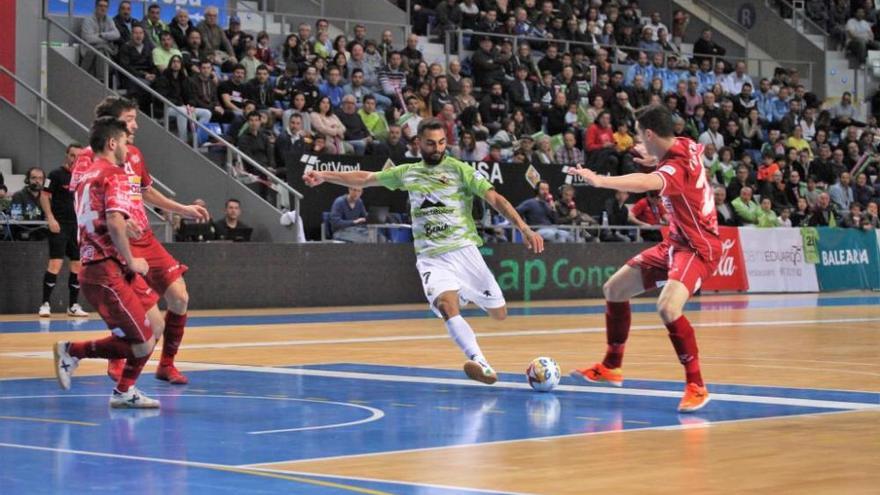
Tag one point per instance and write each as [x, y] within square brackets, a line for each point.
[433, 229]
[669, 169]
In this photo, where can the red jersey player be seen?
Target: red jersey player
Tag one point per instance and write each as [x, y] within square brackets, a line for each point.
[111, 275]
[166, 274]
[679, 264]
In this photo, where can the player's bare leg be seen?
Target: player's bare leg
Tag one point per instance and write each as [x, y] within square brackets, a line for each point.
[499, 314]
[49, 280]
[626, 283]
[476, 368]
[177, 300]
[670, 306]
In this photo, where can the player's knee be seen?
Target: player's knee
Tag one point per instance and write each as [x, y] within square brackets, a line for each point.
[54, 266]
[499, 314]
[447, 308]
[177, 298]
[668, 312]
[143, 349]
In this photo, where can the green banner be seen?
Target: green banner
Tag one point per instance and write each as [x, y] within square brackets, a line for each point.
[811, 245]
[848, 259]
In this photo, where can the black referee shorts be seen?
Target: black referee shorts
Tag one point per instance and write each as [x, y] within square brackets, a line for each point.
[63, 244]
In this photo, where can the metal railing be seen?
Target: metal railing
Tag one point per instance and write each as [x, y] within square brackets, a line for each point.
[565, 45]
[579, 233]
[40, 120]
[234, 156]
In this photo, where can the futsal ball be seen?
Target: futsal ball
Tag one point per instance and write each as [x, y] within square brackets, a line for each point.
[543, 374]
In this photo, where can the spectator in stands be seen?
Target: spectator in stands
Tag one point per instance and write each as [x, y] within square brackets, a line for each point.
[136, 57]
[356, 133]
[153, 24]
[392, 77]
[800, 217]
[124, 22]
[332, 87]
[174, 85]
[844, 113]
[250, 61]
[733, 82]
[229, 227]
[231, 94]
[540, 212]
[871, 212]
[326, 123]
[855, 218]
[193, 53]
[99, 31]
[181, 27]
[411, 53]
[494, 108]
[25, 205]
[713, 134]
[214, 38]
[292, 143]
[823, 214]
[5, 200]
[862, 191]
[841, 193]
[766, 216]
[238, 39]
[258, 143]
[567, 212]
[485, 64]
[375, 122]
[368, 81]
[568, 153]
[745, 207]
[203, 90]
[260, 91]
[617, 214]
[705, 46]
[795, 189]
[649, 212]
[348, 217]
[860, 36]
[163, 52]
[726, 214]
[393, 147]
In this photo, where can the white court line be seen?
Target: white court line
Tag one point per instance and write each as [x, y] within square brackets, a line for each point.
[783, 401]
[543, 439]
[484, 335]
[243, 469]
[375, 414]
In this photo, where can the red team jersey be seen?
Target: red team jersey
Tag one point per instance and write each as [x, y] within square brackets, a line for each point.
[102, 188]
[139, 180]
[689, 199]
[693, 248]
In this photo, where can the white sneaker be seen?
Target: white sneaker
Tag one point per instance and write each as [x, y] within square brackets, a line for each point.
[133, 399]
[65, 364]
[480, 371]
[76, 310]
[45, 311]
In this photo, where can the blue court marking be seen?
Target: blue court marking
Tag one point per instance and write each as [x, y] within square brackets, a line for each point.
[360, 316]
[214, 423]
[676, 386]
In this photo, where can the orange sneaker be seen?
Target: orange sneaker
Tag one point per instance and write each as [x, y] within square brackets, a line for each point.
[171, 375]
[599, 373]
[695, 398]
[114, 369]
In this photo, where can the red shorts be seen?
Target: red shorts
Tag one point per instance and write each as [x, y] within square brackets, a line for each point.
[667, 261]
[164, 269]
[122, 299]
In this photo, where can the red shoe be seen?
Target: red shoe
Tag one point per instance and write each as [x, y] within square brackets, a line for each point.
[114, 369]
[598, 373]
[695, 398]
[171, 375]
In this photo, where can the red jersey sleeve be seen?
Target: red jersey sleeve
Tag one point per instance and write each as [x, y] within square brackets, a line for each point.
[117, 194]
[137, 160]
[674, 180]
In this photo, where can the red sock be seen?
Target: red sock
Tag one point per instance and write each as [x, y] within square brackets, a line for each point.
[172, 336]
[617, 321]
[106, 348]
[131, 372]
[681, 333]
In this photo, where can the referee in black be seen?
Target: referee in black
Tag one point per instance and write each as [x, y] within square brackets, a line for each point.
[57, 203]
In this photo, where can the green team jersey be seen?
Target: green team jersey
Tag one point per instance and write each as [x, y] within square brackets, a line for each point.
[441, 201]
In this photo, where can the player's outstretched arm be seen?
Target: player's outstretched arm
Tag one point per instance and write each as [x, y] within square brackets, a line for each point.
[359, 179]
[634, 183]
[159, 200]
[501, 205]
[116, 226]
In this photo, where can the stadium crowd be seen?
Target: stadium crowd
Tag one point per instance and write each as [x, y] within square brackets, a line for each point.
[551, 82]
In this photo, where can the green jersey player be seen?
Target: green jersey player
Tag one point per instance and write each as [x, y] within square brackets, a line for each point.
[441, 192]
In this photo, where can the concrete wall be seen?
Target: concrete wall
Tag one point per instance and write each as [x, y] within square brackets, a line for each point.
[26, 143]
[253, 275]
[189, 173]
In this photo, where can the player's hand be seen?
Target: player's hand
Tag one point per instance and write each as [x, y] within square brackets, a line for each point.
[533, 240]
[54, 226]
[360, 220]
[588, 175]
[133, 230]
[642, 157]
[313, 178]
[139, 266]
[196, 212]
